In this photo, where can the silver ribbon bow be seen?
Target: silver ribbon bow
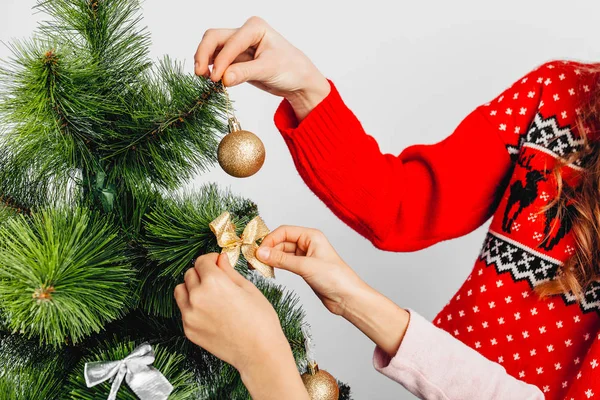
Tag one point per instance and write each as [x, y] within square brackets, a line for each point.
[145, 381]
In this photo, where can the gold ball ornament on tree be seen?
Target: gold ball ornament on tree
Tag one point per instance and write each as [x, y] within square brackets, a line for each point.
[241, 153]
[320, 384]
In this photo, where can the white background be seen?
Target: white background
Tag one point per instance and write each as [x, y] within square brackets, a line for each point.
[410, 71]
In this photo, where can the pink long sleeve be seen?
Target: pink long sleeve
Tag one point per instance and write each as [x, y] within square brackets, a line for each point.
[433, 365]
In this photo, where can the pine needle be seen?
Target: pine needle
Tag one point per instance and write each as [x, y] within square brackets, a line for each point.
[63, 274]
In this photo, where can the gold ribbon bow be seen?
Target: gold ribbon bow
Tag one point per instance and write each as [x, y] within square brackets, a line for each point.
[231, 243]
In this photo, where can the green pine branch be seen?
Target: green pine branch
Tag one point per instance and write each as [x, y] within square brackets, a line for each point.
[32, 382]
[39, 88]
[88, 103]
[10, 208]
[177, 232]
[23, 191]
[31, 371]
[345, 392]
[168, 131]
[107, 31]
[92, 136]
[63, 275]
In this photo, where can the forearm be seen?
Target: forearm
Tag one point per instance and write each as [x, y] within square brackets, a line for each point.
[402, 202]
[274, 376]
[377, 317]
[341, 164]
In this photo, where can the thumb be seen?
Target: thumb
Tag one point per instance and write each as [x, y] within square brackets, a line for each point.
[224, 264]
[243, 72]
[280, 259]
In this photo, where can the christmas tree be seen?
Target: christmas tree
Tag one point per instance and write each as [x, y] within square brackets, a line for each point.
[95, 140]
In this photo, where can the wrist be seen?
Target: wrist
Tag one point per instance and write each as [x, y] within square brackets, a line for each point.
[380, 319]
[351, 299]
[356, 299]
[274, 348]
[273, 376]
[304, 100]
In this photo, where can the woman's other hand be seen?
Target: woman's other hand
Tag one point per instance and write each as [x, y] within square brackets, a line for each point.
[257, 54]
[228, 316]
[307, 253]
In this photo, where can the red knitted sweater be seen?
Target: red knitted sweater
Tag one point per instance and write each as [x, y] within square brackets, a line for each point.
[413, 200]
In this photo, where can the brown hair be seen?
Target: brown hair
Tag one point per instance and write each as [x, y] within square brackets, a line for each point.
[584, 265]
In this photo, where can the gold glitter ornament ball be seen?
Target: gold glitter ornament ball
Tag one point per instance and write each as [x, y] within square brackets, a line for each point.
[321, 386]
[241, 154]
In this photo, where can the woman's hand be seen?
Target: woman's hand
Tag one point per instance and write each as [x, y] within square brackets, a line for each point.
[257, 54]
[228, 316]
[307, 253]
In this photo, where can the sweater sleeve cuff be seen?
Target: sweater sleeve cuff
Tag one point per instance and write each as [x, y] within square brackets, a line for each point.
[329, 115]
[406, 367]
[328, 146]
[425, 364]
[417, 334]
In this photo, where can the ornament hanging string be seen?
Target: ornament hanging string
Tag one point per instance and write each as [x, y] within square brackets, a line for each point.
[232, 121]
[319, 384]
[229, 109]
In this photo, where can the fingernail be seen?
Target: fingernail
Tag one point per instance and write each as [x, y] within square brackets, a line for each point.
[263, 253]
[230, 76]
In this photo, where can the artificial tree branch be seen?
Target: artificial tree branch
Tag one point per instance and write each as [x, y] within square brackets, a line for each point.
[173, 121]
[12, 204]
